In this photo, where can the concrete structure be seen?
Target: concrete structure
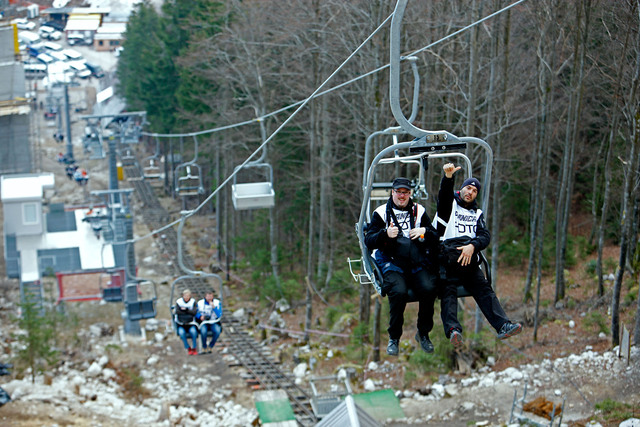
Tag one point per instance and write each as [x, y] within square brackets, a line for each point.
[15, 107]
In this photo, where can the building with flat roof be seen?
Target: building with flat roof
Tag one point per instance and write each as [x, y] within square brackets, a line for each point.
[109, 36]
[42, 238]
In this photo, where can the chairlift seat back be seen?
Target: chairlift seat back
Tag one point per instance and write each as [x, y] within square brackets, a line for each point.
[112, 294]
[138, 310]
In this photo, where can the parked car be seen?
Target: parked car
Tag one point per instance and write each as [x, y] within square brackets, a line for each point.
[29, 38]
[49, 33]
[24, 24]
[73, 55]
[58, 56]
[80, 69]
[78, 39]
[52, 46]
[96, 70]
[54, 24]
[45, 58]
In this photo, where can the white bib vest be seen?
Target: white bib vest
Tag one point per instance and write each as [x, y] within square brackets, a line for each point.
[403, 217]
[463, 222]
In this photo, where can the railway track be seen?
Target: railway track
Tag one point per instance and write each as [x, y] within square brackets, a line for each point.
[261, 370]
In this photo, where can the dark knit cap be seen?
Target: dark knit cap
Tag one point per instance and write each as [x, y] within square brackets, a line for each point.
[471, 181]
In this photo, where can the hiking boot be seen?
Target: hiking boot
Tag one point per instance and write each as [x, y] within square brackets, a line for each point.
[392, 347]
[508, 330]
[455, 338]
[425, 343]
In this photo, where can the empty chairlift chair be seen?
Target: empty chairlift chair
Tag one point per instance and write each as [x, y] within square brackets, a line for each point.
[188, 180]
[152, 166]
[111, 285]
[144, 305]
[254, 195]
[188, 176]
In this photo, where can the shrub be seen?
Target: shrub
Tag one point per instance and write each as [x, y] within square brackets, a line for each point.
[614, 411]
[595, 322]
[36, 353]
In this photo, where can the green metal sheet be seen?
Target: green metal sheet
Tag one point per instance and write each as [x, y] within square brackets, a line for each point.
[380, 404]
[273, 411]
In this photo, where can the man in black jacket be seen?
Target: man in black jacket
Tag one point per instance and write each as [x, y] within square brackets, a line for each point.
[402, 237]
[458, 217]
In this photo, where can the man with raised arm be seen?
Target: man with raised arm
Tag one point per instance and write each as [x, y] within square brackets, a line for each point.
[461, 227]
[401, 235]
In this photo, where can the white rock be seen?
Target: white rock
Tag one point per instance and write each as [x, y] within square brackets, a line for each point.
[572, 324]
[372, 366]
[491, 361]
[437, 390]
[238, 314]
[108, 373]
[466, 382]
[329, 354]
[94, 370]
[153, 360]
[557, 392]
[369, 385]
[300, 370]
[103, 361]
[342, 374]
[602, 335]
[451, 389]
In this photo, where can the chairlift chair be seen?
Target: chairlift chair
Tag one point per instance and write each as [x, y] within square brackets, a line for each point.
[253, 195]
[151, 169]
[188, 176]
[127, 157]
[194, 281]
[188, 180]
[426, 145]
[145, 306]
[112, 289]
[151, 166]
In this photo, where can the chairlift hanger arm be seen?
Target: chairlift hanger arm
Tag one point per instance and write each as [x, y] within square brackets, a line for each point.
[394, 76]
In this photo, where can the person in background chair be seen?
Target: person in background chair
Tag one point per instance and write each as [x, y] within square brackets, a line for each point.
[208, 314]
[185, 313]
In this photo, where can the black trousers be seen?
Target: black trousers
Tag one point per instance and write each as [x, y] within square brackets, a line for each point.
[477, 285]
[423, 285]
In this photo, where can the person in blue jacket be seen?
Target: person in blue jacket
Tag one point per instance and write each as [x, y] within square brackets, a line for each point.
[403, 242]
[209, 314]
